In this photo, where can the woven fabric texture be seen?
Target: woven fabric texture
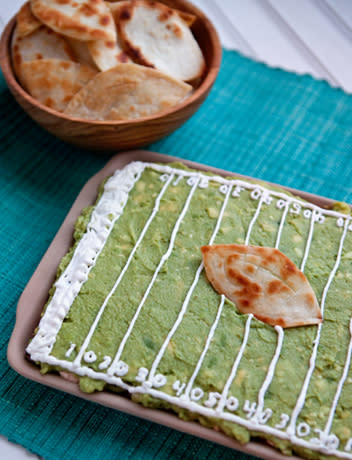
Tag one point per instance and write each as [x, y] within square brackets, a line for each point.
[257, 121]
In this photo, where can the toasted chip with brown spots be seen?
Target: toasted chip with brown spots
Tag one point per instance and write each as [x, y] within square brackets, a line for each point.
[26, 21]
[81, 19]
[188, 18]
[115, 7]
[157, 36]
[109, 54]
[54, 82]
[264, 282]
[43, 43]
[126, 92]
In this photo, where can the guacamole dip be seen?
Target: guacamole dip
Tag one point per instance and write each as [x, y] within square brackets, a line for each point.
[132, 309]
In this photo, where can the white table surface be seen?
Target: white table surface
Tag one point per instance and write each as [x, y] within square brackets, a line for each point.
[302, 36]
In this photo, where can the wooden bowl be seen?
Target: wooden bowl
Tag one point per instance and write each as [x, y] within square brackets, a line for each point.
[120, 135]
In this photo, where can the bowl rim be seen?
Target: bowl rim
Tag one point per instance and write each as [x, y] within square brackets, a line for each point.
[212, 71]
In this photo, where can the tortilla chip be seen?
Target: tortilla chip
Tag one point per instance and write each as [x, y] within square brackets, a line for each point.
[126, 92]
[81, 19]
[188, 18]
[41, 44]
[155, 35]
[54, 82]
[264, 282]
[26, 21]
[107, 55]
[115, 7]
[81, 52]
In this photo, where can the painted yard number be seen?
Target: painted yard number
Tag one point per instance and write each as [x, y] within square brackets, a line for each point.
[330, 441]
[157, 381]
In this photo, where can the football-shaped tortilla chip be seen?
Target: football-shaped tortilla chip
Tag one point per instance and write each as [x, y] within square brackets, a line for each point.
[26, 21]
[155, 35]
[82, 19]
[54, 82]
[41, 44]
[264, 282]
[125, 92]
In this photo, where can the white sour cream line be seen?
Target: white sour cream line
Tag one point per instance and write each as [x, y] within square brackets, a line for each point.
[223, 398]
[163, 259]
[302, 396]
[228, 384]
[271, 371]
[282, 223]
[205, 349]
[309, 241]
[254, 218]
[94, 325]
[112, 201]
[70, 350]
[340, 386]
[272, 367]
[189, 294]
[279, 330]
[280, 334]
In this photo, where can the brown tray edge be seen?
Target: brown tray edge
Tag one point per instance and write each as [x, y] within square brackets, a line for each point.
[62, 241]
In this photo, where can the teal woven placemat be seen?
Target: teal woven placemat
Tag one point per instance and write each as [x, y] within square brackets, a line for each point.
[257, 121]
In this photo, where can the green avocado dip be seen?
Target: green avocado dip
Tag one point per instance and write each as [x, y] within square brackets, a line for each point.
[156, 311]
